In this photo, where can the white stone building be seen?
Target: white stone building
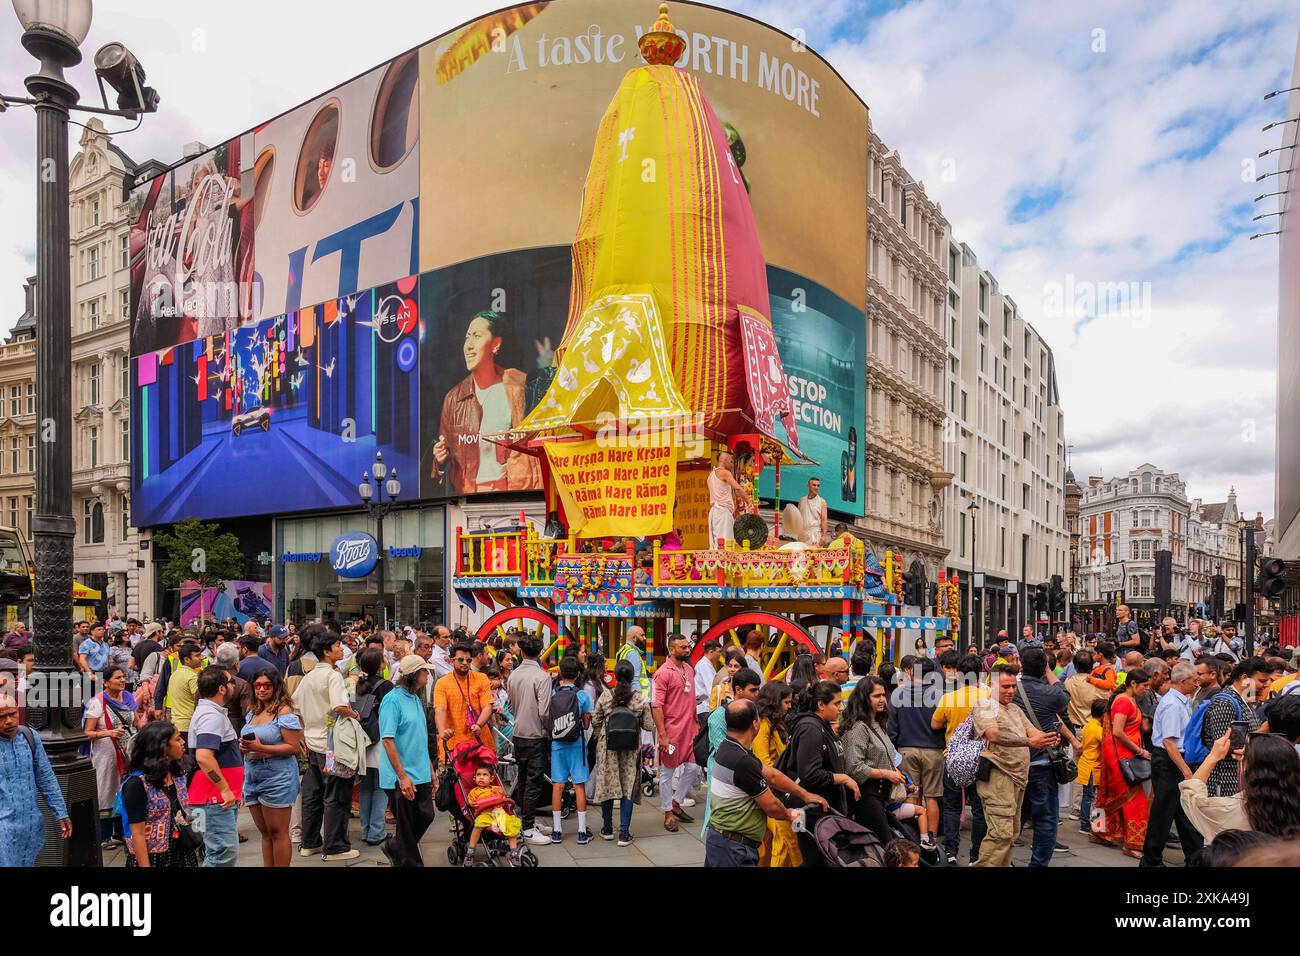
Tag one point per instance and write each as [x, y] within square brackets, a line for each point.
[1005, 447]
[106, 553]
[905, 367]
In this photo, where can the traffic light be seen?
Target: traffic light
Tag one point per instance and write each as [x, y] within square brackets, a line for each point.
[1218, 584]
[1056, 610]
[1271, 582]
[1041, 599]
[909, 587]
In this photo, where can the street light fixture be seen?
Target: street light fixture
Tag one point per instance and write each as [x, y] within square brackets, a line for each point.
[373, 498]
[972, 509]
[53, 31]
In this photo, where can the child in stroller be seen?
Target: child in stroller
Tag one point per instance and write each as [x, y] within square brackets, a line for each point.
[483, 813]
[493, 810]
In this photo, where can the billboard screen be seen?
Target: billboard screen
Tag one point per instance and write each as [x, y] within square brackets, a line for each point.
[192, 249]
[337, 200]
[279, 415]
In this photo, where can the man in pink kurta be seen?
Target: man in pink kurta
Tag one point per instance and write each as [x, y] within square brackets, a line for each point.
[673, 703]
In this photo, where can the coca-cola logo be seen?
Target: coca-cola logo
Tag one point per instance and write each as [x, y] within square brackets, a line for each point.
[199, 239]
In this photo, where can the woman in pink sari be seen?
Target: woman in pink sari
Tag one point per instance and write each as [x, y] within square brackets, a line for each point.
[1125, 804]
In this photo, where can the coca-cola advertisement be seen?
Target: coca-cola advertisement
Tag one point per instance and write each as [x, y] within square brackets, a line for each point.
[192, 250]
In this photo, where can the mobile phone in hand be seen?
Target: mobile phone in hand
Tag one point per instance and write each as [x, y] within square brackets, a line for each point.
[1240, 730]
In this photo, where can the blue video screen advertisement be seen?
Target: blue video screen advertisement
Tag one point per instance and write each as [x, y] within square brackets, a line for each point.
[280, 415]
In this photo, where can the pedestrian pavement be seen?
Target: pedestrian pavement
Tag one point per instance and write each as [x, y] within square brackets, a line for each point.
[653, 846]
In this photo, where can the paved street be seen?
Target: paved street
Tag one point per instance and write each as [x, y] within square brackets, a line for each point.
[653, 846]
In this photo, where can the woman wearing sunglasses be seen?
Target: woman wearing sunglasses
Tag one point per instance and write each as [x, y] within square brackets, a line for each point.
[272, 738]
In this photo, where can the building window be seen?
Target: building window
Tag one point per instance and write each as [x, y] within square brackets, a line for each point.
[13, 456]
[124, 251]
[963, 462]
[1134, 547]
[125, 305]
[93, 522]
[94, 384]
[92, 320]
[124, 368]
[31, 453]
[93, 255]
[94, 217]
[126, 441]
[1146, 550]
[29, 502]
[962, 516]
[13, 512]
[1135, 519]
[31, 398]
[15, 401]
[94, 446]
[126, 517]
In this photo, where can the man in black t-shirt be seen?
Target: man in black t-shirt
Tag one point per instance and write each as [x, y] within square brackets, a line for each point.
[1128, 636]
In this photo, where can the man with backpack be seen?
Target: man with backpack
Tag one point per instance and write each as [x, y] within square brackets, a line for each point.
[22, 827]
[1248, 682]
[952, 710]
[529, 691]
[568, 716]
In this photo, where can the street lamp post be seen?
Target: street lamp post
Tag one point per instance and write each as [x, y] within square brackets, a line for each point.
[386, 482]
[973, 510]
[53, 33]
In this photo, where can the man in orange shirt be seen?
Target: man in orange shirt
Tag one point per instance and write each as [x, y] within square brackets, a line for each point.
[463, 703]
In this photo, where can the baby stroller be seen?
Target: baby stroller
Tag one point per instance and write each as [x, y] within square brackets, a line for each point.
[844, 842]
[649, 772]
[463, 762]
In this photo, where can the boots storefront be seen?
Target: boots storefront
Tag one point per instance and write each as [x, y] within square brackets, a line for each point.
[307, 586]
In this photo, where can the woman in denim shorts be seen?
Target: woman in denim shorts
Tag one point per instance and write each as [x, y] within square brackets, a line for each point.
[271, 741]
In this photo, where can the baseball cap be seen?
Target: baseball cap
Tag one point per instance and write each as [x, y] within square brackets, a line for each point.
[410, 664]
[277, 631]
[152, 628]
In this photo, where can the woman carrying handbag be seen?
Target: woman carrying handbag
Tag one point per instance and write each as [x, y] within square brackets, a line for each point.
[1125, 768]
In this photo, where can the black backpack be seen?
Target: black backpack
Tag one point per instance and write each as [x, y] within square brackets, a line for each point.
[367, 707]
[565, 715]
[622, 730]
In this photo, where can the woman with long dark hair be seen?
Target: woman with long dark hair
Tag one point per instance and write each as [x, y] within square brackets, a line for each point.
[775, 699]
[154, 799]
[815, 756]
[1269, 798]
[733, 659]
[870, 756]
[592, 680]
[803, 673]
[1124, 803]
[109, 722]
[618, 772]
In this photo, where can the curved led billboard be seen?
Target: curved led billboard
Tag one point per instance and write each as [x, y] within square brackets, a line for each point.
[456, 171]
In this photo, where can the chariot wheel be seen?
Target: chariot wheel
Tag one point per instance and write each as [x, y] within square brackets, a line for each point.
[782, 638]
[524, 619]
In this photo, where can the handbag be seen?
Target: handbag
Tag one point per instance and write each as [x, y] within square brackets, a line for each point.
[1064, 766]
[1134, 770]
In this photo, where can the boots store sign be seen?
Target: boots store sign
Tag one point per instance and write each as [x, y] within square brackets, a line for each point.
[354, 554]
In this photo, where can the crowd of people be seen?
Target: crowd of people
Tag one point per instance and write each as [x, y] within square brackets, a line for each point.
[1137, 739]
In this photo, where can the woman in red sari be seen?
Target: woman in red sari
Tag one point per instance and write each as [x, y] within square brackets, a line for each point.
[1125, 804]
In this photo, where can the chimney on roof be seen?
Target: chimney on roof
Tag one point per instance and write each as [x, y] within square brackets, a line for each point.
[193, 149]
[1259, 521]
[1095, 480]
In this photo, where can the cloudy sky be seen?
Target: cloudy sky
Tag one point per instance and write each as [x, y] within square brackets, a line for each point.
[1071, 146]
